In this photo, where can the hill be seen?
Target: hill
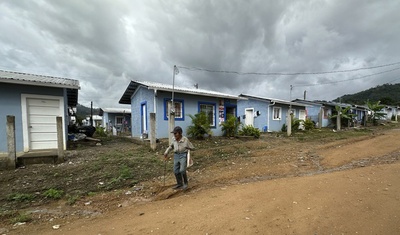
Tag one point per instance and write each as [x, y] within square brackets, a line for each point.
[388, 94]
[82, 112]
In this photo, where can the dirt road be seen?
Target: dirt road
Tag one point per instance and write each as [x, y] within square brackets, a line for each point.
[336, 188]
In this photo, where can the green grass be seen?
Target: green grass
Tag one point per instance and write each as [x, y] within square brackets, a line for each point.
[21, 197]
[53, 193]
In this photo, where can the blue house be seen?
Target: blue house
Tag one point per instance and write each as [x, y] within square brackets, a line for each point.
[318, 112]
[119, 118]
[34, 101]
[267, 114]
[149, 97]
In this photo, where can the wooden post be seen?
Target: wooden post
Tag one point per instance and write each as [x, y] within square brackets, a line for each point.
[12, 157]
[153, 141]
[60, 140]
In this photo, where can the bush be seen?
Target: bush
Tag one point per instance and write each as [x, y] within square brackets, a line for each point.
[100, 132]
[308, 124]
[53, 193]
[200, 126]
[249, 130]
[230, 126]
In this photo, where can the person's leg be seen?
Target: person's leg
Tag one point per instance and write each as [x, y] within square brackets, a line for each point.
[182, 169]
[178, 175]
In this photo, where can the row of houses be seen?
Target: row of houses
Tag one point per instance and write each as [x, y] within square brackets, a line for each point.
[34, 101]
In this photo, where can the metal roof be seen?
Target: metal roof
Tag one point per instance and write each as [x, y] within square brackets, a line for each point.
[71, 85]
[273, 100]
[134, 85]
[115, 110]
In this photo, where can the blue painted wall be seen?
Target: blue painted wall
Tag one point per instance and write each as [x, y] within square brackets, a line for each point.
[262, 106]
[10, 104]
[266, 113]
[190, 106]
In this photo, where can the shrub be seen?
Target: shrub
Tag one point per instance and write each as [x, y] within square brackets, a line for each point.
[308, 124]
[249, 130]
[53, 193]
[100, 131]
[230, 126]
[200, 126]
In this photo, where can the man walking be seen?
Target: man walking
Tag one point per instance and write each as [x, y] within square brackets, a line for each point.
[180, 144]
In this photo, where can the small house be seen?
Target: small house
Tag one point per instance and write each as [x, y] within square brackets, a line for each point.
[29, 107]
[268, 114]
[149, 97]
[118, 118]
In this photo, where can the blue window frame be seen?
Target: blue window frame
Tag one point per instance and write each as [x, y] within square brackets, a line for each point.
[179, 109]
[210, 110]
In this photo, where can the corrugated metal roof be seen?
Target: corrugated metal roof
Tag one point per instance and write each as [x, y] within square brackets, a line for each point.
[37, 80]
[71, 85]
[274, 100]
[130, 90]
[116, 110]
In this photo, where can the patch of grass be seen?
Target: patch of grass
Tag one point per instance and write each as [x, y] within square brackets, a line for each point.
[72, 199]
[21, 197]
[53, 193]
[21, 218]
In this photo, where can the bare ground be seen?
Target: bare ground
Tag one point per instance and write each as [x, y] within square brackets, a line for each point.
[346, 184]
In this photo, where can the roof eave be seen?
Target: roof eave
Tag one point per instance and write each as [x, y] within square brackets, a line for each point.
[36, 83]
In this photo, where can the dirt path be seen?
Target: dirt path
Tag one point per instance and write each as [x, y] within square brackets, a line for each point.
[362, 199]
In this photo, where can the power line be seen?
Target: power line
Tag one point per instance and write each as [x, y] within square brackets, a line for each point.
[284, 73]
[346, 80]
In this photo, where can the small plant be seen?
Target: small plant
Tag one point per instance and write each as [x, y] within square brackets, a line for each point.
[53, 193]
[100, 132]
[125, 172]
[21, 218]
[249, 130]
[200, 126]
[21, 197]
[72, 199]
[230, 126]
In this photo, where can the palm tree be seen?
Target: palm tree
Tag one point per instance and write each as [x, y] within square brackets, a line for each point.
[342, 112]
[375, 108]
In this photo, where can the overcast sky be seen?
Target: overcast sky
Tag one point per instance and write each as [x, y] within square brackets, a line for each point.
[106, 44]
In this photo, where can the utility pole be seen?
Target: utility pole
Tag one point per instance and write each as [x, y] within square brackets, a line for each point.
[91, 113]
[171, 108]
[289, 115]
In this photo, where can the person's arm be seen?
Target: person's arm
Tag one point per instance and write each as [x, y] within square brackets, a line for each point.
[189, 145]
[168, 149]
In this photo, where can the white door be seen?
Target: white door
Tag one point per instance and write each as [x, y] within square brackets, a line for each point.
[40, 125]
[144, 119]
[302, 115]
[249, 120]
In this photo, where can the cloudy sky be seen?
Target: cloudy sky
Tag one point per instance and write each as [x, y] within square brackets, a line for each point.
[328, 48]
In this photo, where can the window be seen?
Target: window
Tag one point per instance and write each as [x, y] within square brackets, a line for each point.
[178, 107]
[118, 121]
[209, 110]
[277, 113]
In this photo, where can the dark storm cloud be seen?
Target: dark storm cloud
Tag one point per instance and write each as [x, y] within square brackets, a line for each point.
[104, 44]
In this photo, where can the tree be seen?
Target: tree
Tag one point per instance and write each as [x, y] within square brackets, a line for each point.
[375, 108]
[342, 113]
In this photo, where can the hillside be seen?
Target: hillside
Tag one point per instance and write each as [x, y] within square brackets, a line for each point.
[82, 112]
[388, 94]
